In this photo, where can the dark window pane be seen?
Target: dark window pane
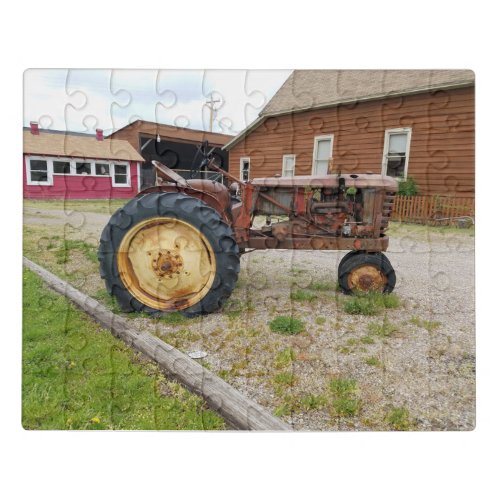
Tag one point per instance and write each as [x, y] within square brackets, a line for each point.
[120, 169]
[61, 167]
[102, 169]
[245, 170]
[38, 165]
[120, 178]
[38, 176]
[82, 168]
[396, 166]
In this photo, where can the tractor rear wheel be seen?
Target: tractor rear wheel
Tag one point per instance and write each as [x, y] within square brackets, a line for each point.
[364, 272]
[169, 252]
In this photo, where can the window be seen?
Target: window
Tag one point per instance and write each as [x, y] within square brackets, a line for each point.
[244, 169]
[61, 167]
[323, 150]
[288, 166]
[83, 168]
[120, 175]
[396, 152]
[102, 169]
[38, 172]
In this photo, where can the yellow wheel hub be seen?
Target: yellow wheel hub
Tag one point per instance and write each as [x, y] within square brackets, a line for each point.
[166, 263]
[366, 278]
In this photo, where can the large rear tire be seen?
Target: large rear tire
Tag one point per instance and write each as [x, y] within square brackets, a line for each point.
[166, 252]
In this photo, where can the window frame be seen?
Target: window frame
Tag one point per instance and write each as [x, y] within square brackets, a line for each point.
[317, 139]
[285, 157]
[388, 133]
[242, 159]
[49, 181]
[112, 172]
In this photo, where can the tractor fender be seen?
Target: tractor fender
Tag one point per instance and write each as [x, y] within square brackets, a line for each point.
[219, 198]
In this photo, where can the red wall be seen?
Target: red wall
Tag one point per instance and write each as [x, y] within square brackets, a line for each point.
[81, 187]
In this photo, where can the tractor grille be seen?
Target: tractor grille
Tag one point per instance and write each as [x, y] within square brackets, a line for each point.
[387, 210]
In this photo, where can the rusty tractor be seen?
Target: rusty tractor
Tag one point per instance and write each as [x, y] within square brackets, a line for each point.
[177, 246]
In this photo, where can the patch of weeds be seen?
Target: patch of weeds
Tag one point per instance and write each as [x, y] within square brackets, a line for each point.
[283, 409]
[224, 375]
[346, 350]
[399, 419]
[303, 296]
[313, 402]
[174, 318]
[367, 340]
[352, 342]
[297, 270]
[320, 320]
[286, 325]
[285, 379]
[374, 361]
[323, 286]
[345, 403]
[384, 329]
[284, 358]
[88, 250]
[371, 303]
[430, 326]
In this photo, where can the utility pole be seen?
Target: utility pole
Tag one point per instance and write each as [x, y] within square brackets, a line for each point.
[210, 105]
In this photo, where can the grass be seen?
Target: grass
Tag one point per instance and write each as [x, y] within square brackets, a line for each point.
[286, 325]
[428, 325]
[97, 206]
[371, 303]
[285, 379]
[320, 320]
[345, 401]
[399, 419]
[384, 329]
[284, 358]
[63, 253]
[374, 361]
[303, 296]
[76, 375]
[323, 286]
[313, 402]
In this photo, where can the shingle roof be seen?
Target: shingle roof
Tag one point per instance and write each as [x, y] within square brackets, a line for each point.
[80, 146]
[306, 89]
[311, 89]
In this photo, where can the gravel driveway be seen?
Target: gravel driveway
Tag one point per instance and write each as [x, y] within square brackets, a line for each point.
[415, 371]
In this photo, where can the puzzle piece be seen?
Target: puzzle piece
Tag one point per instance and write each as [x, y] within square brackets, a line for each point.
[286, 337]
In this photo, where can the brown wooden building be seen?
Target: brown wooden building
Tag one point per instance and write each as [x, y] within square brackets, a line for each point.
[175, 147]
[403, 123]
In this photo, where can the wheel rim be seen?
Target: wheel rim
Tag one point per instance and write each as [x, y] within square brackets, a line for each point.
[166, 263]
[367, 277]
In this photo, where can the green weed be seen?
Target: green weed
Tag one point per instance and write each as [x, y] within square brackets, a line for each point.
[286, 325]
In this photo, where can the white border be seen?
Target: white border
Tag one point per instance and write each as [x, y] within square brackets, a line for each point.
[242, 159]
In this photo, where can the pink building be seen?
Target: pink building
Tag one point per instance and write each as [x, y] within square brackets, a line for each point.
[71, 165]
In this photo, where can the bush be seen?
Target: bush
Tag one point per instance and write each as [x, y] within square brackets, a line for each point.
[408, 187]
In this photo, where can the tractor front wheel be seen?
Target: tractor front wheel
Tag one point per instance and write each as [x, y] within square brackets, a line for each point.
[364, 272]
[168, 252]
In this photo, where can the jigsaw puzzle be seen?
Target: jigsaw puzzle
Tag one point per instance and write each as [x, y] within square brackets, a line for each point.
[290, 249]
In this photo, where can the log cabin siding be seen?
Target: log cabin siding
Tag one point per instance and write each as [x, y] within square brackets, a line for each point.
[442, 147]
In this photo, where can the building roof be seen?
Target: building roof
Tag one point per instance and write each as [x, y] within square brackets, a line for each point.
[78, 145]
[171, 132]
[313, 89]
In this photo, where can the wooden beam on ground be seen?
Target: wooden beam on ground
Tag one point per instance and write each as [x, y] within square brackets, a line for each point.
[239, 411]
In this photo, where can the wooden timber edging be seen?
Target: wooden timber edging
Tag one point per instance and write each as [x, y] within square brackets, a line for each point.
[239, 411]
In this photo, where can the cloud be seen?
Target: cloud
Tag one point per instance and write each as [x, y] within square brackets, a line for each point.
[80, 100]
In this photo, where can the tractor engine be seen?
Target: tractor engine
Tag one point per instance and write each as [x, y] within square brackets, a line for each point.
[337, 206]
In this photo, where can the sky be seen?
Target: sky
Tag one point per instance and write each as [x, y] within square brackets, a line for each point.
[83, 100]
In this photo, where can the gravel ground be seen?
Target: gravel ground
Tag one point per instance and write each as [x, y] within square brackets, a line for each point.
[421, 376]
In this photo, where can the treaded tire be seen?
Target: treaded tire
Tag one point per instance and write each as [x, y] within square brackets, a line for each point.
[348, 256]
[185, 208]
[378, 260]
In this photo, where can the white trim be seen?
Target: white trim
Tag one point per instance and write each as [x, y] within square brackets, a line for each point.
[388, 133]
[49, 181]
[315, 150]
[112, 171]
[242, 159]
[139, 176]
[284, 163]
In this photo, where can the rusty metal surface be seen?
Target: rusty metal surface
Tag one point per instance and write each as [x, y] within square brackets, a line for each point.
[319, 243]
[367, 278]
